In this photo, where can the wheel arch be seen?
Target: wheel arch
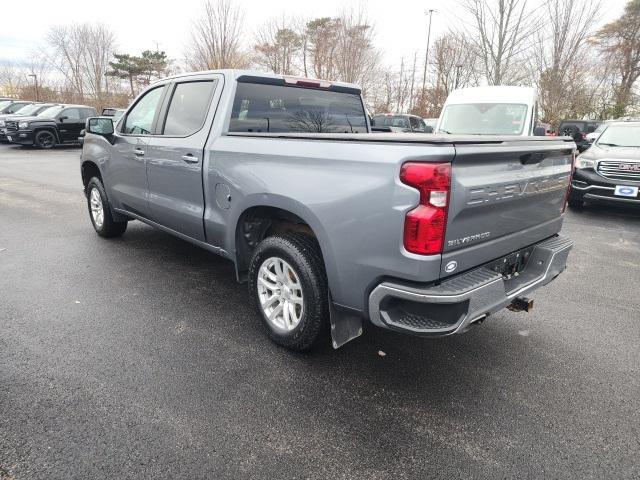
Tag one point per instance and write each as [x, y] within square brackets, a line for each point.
[89, 169]
[274, 214]
[39, 128]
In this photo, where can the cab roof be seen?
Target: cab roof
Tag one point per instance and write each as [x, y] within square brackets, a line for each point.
[235, 74]
[494, 94]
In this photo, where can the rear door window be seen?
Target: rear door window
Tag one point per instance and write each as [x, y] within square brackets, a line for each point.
[188, 107]
[288, 109]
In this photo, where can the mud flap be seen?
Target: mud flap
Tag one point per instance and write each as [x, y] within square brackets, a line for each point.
[345, 324]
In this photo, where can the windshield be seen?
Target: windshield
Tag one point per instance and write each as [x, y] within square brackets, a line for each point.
[28, 109]
[51, 112]
[620, 136]
[484, 119]
[4, 103]
[398, 121]
[600, 128]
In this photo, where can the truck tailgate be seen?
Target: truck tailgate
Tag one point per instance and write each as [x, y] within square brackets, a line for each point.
[504, 197]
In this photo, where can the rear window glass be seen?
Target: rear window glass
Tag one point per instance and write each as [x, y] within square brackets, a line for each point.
[282, 109]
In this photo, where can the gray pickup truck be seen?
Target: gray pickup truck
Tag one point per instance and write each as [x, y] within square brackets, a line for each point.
[329, 223]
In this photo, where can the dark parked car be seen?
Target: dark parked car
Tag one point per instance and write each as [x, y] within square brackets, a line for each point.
[53, 126]
[578, 130]
[609, 171]
[114, 113]
[391, 122]
[26, 111]
[12, 106]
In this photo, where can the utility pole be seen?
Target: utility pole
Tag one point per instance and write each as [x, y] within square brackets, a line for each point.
[426, 55]
[35, 78]
[413, 80]
[458, 67]
[400, 92]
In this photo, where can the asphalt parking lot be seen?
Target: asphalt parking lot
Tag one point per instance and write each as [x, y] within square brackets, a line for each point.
[140, 358]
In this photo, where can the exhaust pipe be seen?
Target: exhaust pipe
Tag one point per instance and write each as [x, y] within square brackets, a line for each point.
[521, 304]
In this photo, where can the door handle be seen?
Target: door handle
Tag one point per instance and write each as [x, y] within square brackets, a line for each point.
[189, 158]
[138, 152]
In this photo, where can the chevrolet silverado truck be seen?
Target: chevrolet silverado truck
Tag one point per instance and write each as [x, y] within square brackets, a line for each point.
[329, 224]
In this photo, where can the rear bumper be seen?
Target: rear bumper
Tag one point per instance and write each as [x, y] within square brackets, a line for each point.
[456, 303]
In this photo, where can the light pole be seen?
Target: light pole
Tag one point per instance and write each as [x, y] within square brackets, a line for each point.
[426, 55]
[458, 67]
[35, 79]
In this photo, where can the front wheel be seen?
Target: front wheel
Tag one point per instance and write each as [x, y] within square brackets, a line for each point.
[288, 286]
[45, 139]
[100, 211]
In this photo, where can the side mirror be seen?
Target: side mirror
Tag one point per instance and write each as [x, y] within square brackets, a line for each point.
[539, 132]
[62, 119]
[100, 126]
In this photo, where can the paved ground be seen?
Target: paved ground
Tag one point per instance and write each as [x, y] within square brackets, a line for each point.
[139, 358]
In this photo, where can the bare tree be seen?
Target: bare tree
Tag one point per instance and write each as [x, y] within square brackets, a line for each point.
[81, 53]
[341, 48]
[500, 34]
[216, 38]
[278, 46]
[357, 58]
[561, 49]
[456, 65]
[620, 41]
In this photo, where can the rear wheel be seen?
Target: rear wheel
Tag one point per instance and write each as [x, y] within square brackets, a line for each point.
[45, 139]
[100, 211]
[288, 286]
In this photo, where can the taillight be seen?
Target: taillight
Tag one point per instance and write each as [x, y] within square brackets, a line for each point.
[425, 225]
[568, 192]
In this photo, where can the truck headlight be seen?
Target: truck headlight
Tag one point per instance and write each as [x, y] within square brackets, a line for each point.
[23, 125]
[583, 163]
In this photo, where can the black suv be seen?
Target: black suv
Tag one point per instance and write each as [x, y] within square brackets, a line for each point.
[578, 130]
[53, 126]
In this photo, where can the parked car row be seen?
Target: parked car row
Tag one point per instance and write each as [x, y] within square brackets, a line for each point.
[46, 125]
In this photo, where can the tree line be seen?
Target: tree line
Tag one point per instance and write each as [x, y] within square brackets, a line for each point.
[580, 68]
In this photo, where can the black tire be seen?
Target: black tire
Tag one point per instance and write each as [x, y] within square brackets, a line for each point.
[303, 254]
[109, 228]
[45, 139]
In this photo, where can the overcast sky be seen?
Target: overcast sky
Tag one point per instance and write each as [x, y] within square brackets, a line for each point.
[400, 25]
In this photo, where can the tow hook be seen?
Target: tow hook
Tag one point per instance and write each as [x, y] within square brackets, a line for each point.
[521, 304]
